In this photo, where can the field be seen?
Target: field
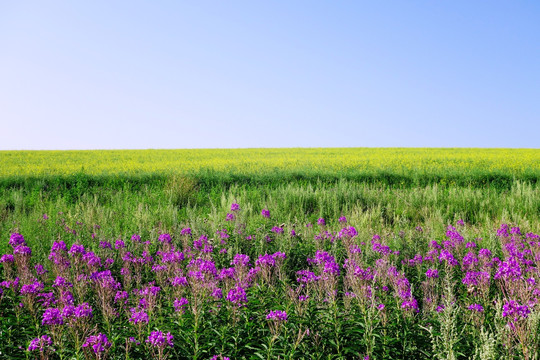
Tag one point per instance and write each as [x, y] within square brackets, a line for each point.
[270, 253]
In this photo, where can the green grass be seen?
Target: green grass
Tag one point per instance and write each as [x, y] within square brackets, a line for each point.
[129, 207]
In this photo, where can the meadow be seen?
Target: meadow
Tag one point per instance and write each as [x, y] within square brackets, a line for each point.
[270, 253]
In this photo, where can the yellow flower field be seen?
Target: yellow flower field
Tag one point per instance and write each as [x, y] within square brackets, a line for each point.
[256, 161]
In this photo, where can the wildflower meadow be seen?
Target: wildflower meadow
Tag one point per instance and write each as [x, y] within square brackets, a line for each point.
[298, 269]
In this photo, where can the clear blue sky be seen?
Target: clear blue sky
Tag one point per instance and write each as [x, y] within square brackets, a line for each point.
[221, 74]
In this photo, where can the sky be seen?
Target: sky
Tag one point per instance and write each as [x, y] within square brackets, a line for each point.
[242, 74]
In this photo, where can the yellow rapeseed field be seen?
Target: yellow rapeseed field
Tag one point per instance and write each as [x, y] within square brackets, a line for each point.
[256, 161]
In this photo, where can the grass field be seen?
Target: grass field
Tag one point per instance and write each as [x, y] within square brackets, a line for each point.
[383, 305]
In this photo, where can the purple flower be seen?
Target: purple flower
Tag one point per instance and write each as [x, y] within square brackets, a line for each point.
[432, 273]
[52, 316]
[105, 245]
[265, 213]
[237, 296]
[7, 258]
[119, 244]
[217, 293]
[40, 270]
[16, 239]
[515, 230]
[277, 230]
[138, 317]
[513, 310]
[321, 221]
[185, 231]
[484, 253]
[447, 256]
[235, 207]
[180, 304]
[347, 232]
[76, 249]
[230, 217]
[240, 259]
[277, 315]
[178, 281]
[165, 238]
[31, 289]
[306, 277]
[40, 343]
[22, 250]
[410, 304]
[136, 238]
[158, 339]
[61, 283]
[476, 307]
[265, 260]
[121, 296]
[343, 220]
[99, 343]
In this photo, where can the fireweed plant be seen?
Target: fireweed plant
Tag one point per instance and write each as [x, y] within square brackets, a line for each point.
[268, 290]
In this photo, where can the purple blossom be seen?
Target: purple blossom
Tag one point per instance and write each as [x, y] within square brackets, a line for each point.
[432, 273]
[230, 217]
[92, 259]
[277, 230]
[119, 244]
[31, 289]
[321, 221]
[165, 238]
[98, 343]
[61, 283]
[22, 250]
[240, 259]
[138, 316]
[178, 281]
[343, 220]
[515, 311]
[136, 238]
[105, 245]
[447, 256]
[515, 230]
[277, 315]
[306, 277]
[41, 343]
[16, 239]
[52, 316]
[81, 311]
[185, 232]
[235, 207]
[484, 253]
[476, 307]
[265, 260]
[410, 304]
[180, 304]
[158, 339]
[265, 213]
[46, 299]
[7, 258]
[237, 296]
[40, 270]
[121, 296]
